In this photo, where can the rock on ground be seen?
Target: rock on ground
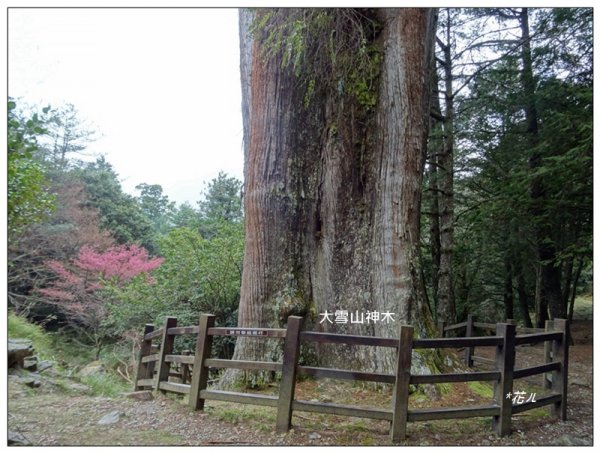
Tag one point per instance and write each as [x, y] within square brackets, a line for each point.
[110, 418]
[17, 439]
[18, 349]
[92, 368]
[142, 395]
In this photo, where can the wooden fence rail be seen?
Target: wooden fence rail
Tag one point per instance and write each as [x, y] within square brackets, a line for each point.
[155, 362]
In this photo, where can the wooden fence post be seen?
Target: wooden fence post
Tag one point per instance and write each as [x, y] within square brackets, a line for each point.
[469, 350]
[441, 326]
[400, 395]
[291, 350]
[144, 370]
[560, 351]
[185, 368]
[549, 326]
[199, 371]
[505, 363]
[166, 347]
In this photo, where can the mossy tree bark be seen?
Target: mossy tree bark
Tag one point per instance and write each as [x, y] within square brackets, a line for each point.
[333, 174]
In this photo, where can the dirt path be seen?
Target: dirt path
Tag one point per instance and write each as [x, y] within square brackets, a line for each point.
[51, 415]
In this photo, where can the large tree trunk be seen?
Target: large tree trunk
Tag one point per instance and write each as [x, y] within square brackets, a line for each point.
[446, 310]
[404, 108]
[522, 291]
[508, 288]
[332, 187]
[546, 251]
[574, 292]
[434, 145]
[541, 306]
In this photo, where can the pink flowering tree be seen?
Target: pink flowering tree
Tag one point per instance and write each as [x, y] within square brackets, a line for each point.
[118, 264]
[79, 290]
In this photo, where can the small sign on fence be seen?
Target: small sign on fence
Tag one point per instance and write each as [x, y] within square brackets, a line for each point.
[248, 332]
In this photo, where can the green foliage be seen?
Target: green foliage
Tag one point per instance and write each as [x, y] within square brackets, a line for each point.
[156, 206]
[19, 327]
[186, 216]
[105, 384]
[28, 199]
[67, 135]
[325, 47]
[204, 273]
[584, 308]
[198, 275]
[222, 202]
[120, 213]
[133, 305]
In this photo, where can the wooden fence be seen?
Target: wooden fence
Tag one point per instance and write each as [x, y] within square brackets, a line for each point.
[470, 326]
[155, 363]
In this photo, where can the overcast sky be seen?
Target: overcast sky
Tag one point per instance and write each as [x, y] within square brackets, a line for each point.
[161, 87]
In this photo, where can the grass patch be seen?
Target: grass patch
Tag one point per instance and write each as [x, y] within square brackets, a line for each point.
[583, 308]
[481, 389]
[358, 425]
[71, 353]
[105, 384]
[57, 347]
[262, 419]
[68, 356]
[368, 441]
[537, 413]
[19, 327]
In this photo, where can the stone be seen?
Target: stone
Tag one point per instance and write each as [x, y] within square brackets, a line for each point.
[96, 367]
[78, 388]
[32, 382]
[141, 395]
[18, 349]
[572, 440]
[314, 436]
[110, 418]
[44, 365]
[17, 439]
[30, 363]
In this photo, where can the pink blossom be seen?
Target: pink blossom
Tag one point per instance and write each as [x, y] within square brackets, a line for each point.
[57, 294]
[76, 284]
[121, 262]
[66, 276]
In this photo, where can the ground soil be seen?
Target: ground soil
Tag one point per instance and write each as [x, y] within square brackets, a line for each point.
[55, 415]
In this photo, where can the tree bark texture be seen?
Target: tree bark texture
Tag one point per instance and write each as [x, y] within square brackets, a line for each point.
[546, 250]
[332, 194]
[446, 310]
[508, 288]
[522, 291]
[434, 144]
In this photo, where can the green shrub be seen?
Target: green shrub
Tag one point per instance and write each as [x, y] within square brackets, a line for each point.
[19, 327]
